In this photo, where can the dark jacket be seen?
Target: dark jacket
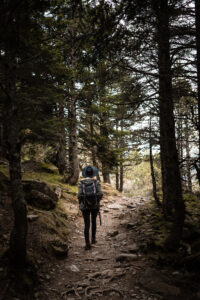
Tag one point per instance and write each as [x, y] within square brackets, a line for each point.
[81, 196]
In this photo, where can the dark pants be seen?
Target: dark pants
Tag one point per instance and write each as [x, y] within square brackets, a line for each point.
[86, 216]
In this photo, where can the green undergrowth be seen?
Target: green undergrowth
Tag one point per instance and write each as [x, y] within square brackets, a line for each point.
[192, 204]
[50, 230]
[155, 229]
[43, 172]
[108, 190]
[4, 170]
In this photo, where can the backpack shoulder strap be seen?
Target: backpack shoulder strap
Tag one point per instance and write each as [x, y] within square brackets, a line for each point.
[83, 187]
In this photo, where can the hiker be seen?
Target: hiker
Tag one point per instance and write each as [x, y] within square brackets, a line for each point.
[89, 196]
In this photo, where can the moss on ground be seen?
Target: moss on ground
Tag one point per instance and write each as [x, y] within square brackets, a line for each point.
[154, 230]
[52, 179]
[108, 190]
[53, 226]
[47, 173]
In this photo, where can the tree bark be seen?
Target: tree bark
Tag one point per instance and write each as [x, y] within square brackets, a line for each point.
[93, 149]
[61, 153]
[197, 23]
[121, 176]
[73, 172]
[105, 173]
[19, 232]
[157, 201]
[117, 178]
[104, 144]
[93, 152]
[73, 144]
[172, 189]
[187, 148]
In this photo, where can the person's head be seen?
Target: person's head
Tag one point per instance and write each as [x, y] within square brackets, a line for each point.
[89, 171]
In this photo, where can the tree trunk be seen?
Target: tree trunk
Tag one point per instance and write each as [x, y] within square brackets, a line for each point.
[61, 153]
[104, 145]
[73, 145]
[197, 23]
[188, 165]
[117, 178]
[93, 150]
[19, 231]
[157, 201]
[172, 193]
[73, 173]
[105, 172]
[121, 176]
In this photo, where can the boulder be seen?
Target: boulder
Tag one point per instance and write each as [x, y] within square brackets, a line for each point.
[196, 246]
[192, 262]
[156, 282]
[39, 195]
[59, 248]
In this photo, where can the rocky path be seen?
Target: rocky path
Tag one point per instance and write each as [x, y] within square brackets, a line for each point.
[111, 269]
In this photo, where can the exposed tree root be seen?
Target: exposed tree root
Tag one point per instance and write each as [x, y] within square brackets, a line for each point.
[71, 290]
[90, 288]
[113, 290]
[101, 291]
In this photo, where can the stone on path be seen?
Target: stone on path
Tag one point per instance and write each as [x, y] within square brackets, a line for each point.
[100, 258]
[130, 206]
[113, 233]
[122, 236]
[74, 268]
[126, 257]
[130, 225]
[32, 218]
[105, 201]
[115, 206]
[133, 248]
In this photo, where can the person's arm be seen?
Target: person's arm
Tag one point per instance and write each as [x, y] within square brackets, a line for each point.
[99, 191]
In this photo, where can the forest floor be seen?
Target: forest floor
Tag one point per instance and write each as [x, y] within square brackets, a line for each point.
[115, 267]
[127, 262]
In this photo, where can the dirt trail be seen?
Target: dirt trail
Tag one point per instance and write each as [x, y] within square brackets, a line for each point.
[110, 270]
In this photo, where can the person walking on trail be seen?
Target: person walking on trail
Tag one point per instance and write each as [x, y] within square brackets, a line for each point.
[89, 196]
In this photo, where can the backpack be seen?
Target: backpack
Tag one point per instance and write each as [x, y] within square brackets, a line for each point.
[89, 191]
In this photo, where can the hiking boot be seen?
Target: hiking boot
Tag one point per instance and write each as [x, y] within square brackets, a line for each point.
[94, 241]
[87, 246]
